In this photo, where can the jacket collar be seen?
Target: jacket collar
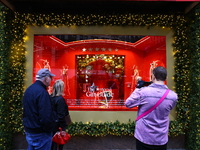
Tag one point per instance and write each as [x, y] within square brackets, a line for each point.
[162, 86]
[40, 83]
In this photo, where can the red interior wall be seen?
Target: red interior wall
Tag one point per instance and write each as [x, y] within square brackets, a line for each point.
[58, 58]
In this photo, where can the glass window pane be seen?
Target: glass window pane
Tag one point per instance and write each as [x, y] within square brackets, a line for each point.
[99, 71]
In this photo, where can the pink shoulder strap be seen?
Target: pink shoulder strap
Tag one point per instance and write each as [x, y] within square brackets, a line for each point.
[152, 108]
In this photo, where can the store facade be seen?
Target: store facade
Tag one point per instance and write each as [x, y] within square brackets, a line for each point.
[99, 66]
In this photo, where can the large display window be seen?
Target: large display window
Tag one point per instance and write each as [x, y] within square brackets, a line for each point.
[99, 71]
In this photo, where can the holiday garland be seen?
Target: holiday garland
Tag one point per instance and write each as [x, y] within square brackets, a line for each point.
[5, 80]
[186, 54]
[193, 109]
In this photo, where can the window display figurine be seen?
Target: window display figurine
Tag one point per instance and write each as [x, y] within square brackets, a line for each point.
[153, 65]
[134, 78]
[46, 64]
[66, 80]
[65, 69]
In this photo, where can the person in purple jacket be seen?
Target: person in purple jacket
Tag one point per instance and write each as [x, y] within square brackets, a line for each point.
[38, 115]
[151, 131]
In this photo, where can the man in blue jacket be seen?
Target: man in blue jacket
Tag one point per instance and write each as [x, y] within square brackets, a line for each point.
[38, 115]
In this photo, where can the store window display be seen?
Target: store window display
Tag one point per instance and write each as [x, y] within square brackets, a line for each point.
[100, 73]
[99, 80]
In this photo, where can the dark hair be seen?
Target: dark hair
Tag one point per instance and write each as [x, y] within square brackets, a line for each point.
[160, 73]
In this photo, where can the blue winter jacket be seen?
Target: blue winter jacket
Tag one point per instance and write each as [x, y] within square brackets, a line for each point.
[38, 113]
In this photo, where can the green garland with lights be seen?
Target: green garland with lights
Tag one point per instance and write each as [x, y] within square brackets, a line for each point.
[187, 63]
[101, 129]
[114, 128]
[193, 131]
[5, 79]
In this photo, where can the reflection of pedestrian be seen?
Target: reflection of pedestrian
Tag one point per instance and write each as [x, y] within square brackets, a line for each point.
[151, 131]
[60, 108]
[38, 114]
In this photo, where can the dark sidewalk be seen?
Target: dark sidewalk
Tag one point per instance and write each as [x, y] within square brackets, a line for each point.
[101, 143]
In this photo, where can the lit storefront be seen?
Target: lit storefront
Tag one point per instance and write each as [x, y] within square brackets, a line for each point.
[99, 70]
[90, 66]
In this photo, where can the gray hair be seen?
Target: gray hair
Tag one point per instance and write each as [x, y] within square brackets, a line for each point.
[40, 78]
[58, 88]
